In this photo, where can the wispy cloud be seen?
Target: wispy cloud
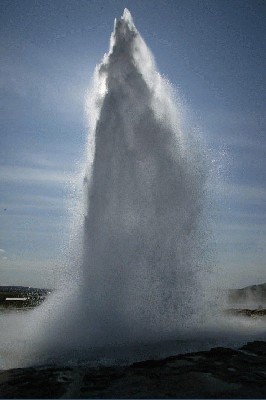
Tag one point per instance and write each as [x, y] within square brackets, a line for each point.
[33, 203]
[34, 82]
[2, 255]
[243, 193]
[31, 175]
[43, 160]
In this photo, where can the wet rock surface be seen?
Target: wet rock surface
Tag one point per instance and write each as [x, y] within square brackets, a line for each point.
[217, 373]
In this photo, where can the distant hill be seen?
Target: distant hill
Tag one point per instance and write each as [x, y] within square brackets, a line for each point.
[252, 296]
[22, 296]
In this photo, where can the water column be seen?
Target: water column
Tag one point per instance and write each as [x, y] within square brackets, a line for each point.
[143, 191]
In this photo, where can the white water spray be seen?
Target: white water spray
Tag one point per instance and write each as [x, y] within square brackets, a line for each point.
[144, 194]
[140, 219]
[139, 238]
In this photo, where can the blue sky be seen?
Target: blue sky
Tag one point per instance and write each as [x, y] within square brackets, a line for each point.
[212, 51]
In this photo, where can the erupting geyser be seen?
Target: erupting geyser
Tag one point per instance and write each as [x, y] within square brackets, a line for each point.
[144, 192]
[138, 258]
[139, 239]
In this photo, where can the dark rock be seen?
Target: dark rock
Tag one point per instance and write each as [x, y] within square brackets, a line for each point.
[29, 297]
[246, 312]
[257, 347]
[218, 373]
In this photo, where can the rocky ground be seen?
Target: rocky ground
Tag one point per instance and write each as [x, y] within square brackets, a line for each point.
[246, 312]
[218, 373]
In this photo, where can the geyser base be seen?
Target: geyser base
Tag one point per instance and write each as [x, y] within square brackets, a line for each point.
[219, 373]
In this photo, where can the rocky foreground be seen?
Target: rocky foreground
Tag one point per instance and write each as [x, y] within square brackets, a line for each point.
[218, 373]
